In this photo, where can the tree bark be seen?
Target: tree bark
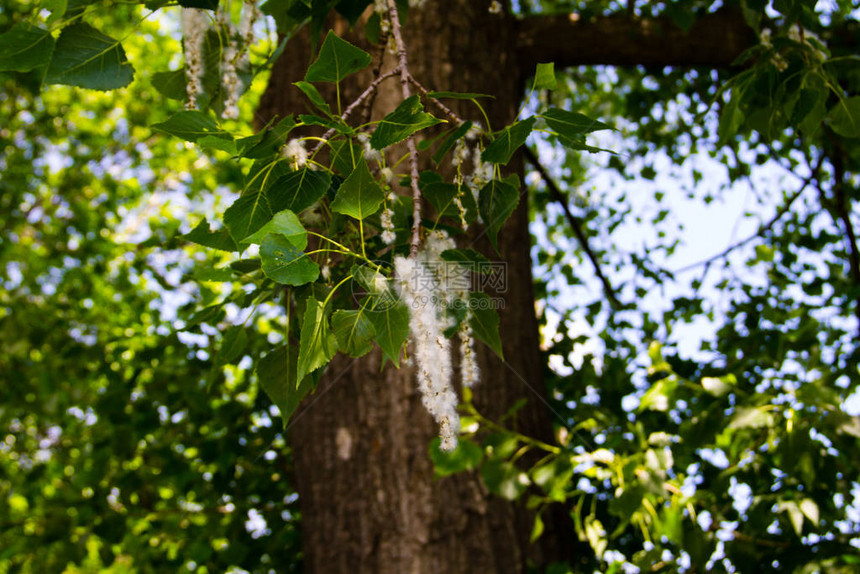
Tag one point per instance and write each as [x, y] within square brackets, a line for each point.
[369, 500]
[714, 40]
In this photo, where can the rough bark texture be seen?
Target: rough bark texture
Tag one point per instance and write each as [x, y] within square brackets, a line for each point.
[369, 500]
[619, 40]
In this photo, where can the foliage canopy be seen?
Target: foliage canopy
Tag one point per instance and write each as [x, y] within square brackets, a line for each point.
[162, 266]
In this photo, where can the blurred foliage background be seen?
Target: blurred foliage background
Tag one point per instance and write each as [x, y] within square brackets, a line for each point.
[701, 420]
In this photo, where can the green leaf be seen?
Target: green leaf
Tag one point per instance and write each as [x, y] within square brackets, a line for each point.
[245, 266]
[25, 47]
[277, 374]
[211, 315]
[314, 96]
[506, 143]
[718, 386]
[372, 286]
[172, 84]
[406, 119]
[731, 119]
[660, 396]
[504, 479]
[752, 417]
[86, 58]
[203, 272]
[545, 77]
[352, 9]
[57, 8]
[284, 263]
[441, 195]
[572, 125]
[845, 117]
[391, 322]
[496, 202]
[537, 529]
[284, 223]
[554, 477]
[263, 174]
[484, 320]
[219, 143]
[810, 510]
[233, 344]
[288, 16]
[359, 195]
[298, 190]
[337, 59]
[343, 156]
[449, 141]
[267, 141]
[335, 124]
[580, 145]
[202, 235]
[247, 214]
[812, 122]
[191, 126]
[354, 331]
[317, 344]
[596, 535]
[370, 279]
[795, 515]
[467, 456]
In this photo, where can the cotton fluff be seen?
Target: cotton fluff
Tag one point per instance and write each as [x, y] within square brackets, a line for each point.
[230, 80]
[425, 286]
[295, 153]
[469, 371]
[370, 154]
[195, 22]
[386, 220]
[432, 350]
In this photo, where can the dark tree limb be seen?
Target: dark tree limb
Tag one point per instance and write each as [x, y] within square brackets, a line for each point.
[841, 210]
[714, 40]
[576, 225]
[760, 232]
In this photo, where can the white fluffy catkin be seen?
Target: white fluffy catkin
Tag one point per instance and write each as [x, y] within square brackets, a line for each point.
[425, 286]
[195, 22]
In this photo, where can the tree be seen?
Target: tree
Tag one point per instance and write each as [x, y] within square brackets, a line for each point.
[365, 484]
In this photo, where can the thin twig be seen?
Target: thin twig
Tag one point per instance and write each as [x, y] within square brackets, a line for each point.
[760, 231]
[575, 224]
[410, 141]
[442, 107]
[369, 91]
[379, 57]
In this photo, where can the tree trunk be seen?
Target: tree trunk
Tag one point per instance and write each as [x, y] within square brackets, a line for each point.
[369, 500]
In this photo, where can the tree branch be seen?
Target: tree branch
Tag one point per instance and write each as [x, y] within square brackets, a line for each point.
[410, 141]
[761, 230]
[369, 92]
[575, 224]
[714, 40]
[842, 214]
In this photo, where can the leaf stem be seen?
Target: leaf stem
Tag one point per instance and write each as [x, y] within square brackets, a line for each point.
[335, 288]
[521, 437]
[332, 241]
